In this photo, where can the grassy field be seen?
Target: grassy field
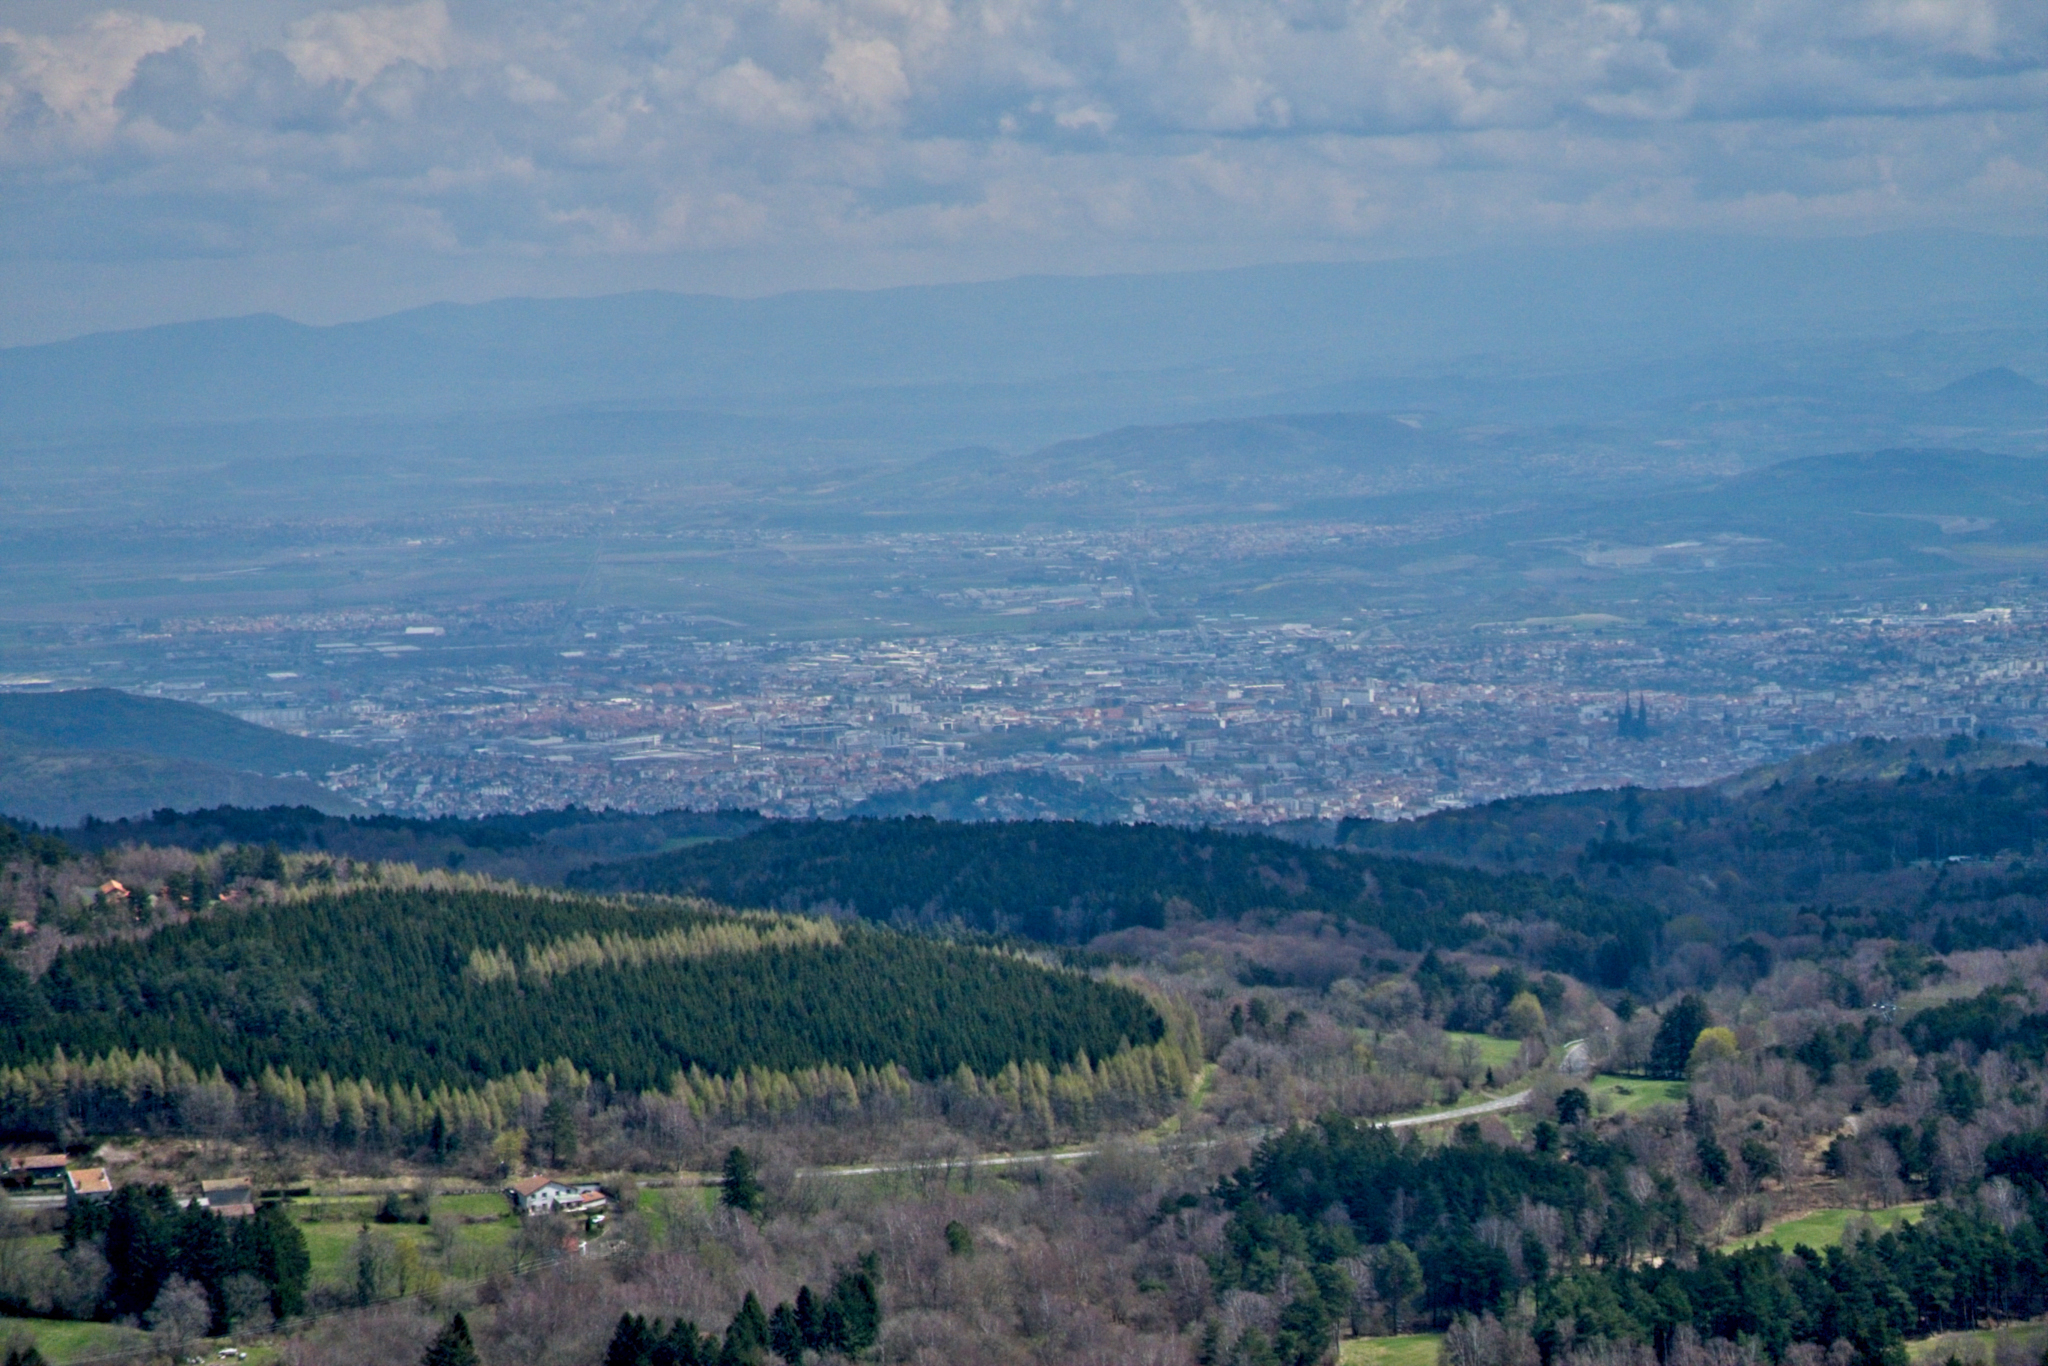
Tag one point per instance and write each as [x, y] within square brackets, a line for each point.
[1410, 1349]
[486, 1228]
[2031, 1338]
[62, 1343]
[1492, 1052]
[1825, 1227]
[1626, 1095]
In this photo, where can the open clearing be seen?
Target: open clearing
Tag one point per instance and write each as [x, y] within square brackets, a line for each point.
[482, 1228]
[1630, 1094]
[1825, 1227]
[1488, 1051]
[63, 1343]
[1410, 1349]
[1982, 1346]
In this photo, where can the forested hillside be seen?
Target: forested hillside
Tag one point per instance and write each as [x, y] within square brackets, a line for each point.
[531, 846]
[1066, 881]
[1463, 1229]
[1939, 841]
[427, 988]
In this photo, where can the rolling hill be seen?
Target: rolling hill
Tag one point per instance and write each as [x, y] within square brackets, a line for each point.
[428, 988]
[1926, 839]
[99, 752]
[1065, 882]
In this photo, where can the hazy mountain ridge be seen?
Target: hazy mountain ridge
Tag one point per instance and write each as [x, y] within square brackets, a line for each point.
[1310, 322]
[62, 787]
[107, 719]
[100, 752]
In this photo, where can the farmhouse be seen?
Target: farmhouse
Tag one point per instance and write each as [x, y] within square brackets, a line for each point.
[546, 1195]
[85, 1184]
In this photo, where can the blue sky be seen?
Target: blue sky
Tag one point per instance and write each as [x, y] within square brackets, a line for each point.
[174, 159]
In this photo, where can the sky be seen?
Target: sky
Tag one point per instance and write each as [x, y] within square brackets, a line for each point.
[188, 158]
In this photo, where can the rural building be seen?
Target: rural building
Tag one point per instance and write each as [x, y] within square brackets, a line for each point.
[231, 1197]
[84, 1184]
[546, 1195]
[37, 1169]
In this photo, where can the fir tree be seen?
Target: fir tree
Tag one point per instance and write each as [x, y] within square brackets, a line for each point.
[853, 1312]
[451, 1347]
[785, 1335]
[746, 1337]
[740, 1189]
[632, 1342]
[1671, 1050]
[810, 1320]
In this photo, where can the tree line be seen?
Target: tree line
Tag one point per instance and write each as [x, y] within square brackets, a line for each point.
[546, 1109]
[147, 1253]
[846, 1322]
[1465, 1229]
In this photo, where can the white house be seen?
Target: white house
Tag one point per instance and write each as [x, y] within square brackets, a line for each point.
[546, 1195]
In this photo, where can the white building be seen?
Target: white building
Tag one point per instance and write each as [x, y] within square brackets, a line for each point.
[546, 1195]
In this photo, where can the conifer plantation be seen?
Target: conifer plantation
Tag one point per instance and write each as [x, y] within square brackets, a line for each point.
[426, 988]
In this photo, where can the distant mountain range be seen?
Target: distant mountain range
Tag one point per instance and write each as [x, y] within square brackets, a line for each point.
[1997, 394]
[99, 752]
[1269, 329]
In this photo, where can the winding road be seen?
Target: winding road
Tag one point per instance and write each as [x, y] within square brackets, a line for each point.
[1573, 1062]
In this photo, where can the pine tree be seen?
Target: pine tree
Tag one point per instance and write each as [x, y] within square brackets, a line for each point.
[785, 1336]
[741, 1189]
[853, 1313]
[810, 1320]
[558, 1122]
[632, 1342]
[452, 1346]
[1671, 1050]
[746, 1338]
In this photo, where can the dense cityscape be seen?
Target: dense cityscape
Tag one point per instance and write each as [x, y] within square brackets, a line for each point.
[1232, 720]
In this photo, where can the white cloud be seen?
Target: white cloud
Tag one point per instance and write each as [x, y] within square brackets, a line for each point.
[355, 45]
[1017, 129]
[746, 94]
[64, 86]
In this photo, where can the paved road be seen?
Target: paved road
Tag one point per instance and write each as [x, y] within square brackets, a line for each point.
[1484, 1107]
[1572, 1063]
[934, 1164]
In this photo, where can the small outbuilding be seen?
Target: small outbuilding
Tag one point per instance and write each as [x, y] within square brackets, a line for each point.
[232, 1197]
[37, 1169]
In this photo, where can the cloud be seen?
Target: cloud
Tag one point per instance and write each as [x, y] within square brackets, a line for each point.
[60, 90]
[559, 129]
[356, 45]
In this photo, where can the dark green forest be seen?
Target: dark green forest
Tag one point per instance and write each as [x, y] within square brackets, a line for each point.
[1928, 811]
[1315, 1197]
[372, 984]
[1065, 882]
[303, 828]
[533, 846]
[1937, 841]
[147, 1236]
